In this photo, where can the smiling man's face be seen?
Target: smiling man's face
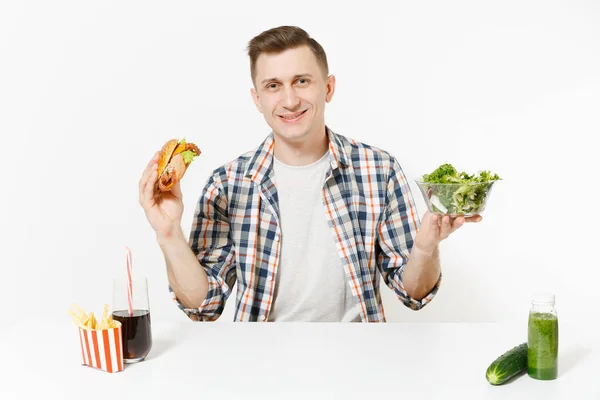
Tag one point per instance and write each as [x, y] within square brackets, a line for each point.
[291, 91]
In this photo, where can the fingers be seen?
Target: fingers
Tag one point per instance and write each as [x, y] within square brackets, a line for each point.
[434, 221]
[445, 227]
[457, 223]
[148, 194]
[147, 171]
[176, 190]
[474, 218]
[143, 181]
[445, 224]
[148, 177]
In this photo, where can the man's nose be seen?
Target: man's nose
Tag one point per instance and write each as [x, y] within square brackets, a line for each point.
[291, 100]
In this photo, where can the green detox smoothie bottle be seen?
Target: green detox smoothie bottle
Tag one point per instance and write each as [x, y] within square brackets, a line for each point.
[542, 353]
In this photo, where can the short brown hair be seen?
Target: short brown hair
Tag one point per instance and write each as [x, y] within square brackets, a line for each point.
[279, 39]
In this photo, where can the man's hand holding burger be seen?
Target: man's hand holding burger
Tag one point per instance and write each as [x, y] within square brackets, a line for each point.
[159, 188]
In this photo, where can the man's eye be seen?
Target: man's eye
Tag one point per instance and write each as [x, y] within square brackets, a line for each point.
[272, 86]
[303, 81]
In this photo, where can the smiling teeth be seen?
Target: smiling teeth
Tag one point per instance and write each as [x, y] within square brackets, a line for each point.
[293, 117]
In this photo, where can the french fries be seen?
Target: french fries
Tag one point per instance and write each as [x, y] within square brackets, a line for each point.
[89, 321]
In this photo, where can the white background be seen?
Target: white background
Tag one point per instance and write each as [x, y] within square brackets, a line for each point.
[90, 90]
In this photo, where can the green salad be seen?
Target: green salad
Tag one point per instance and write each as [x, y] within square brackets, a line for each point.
[461, 193]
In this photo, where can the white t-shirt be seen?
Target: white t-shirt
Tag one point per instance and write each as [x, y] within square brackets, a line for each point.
[311, 284]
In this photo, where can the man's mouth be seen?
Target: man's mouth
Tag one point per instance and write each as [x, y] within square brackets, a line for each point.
[291, 118]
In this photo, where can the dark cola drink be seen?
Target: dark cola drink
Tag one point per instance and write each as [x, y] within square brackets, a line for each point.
[136, 333]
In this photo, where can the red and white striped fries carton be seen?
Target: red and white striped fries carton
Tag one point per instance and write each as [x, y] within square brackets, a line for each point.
[102, 348]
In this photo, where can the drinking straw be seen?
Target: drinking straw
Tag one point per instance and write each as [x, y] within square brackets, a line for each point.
[129, 284]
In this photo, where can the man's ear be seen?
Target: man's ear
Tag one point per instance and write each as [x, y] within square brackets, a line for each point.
[330, 88]
[255, 98]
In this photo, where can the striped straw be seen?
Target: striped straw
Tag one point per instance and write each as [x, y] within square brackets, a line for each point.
[129, 284]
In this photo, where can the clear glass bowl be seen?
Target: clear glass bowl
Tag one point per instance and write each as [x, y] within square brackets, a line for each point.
[456, 199]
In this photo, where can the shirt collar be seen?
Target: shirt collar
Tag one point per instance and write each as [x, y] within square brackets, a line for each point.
[261, 162]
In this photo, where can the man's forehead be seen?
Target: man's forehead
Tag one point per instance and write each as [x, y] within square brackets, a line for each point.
[287, 64]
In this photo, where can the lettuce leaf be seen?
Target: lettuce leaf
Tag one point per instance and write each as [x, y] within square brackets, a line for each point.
[188, 156]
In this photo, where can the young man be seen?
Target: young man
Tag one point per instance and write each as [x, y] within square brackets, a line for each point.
[306, 222]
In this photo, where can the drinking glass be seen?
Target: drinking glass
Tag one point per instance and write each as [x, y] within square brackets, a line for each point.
[136, 328]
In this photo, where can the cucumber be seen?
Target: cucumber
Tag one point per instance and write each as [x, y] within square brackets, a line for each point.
[511, 363]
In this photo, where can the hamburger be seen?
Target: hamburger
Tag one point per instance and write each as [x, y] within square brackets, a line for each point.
[175, 158]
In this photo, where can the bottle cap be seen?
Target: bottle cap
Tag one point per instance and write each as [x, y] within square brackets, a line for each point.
[543, 298]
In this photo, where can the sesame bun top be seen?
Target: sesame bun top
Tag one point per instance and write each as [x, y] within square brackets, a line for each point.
[165, 155]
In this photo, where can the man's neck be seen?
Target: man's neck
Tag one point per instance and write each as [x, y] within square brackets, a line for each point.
[302, 153]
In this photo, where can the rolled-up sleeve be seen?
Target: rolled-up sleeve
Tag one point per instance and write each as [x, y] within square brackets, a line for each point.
[211, 242]
[396, 234]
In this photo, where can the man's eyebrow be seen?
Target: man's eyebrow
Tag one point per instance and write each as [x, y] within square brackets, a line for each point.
[277, 79]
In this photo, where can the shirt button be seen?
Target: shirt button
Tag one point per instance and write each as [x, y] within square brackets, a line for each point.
[262, 317]
[269, 278]
[277, 238]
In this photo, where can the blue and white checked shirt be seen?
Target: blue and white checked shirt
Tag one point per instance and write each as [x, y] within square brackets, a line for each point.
[236, 232]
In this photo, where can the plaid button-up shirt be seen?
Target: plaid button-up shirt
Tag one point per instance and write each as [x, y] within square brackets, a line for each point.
[236, 232]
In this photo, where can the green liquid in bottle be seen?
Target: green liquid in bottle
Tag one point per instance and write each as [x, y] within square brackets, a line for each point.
[542, 353]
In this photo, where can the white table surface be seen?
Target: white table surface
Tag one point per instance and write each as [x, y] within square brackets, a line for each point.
[191, 360]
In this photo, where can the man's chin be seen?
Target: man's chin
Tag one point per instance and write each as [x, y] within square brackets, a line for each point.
[292, 133]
